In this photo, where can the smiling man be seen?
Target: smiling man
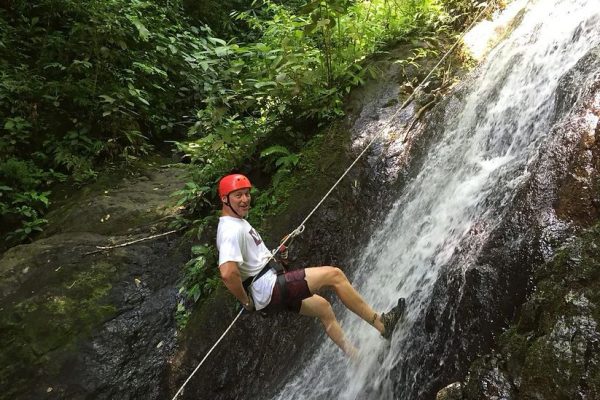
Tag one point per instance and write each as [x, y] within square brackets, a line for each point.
[259, 285]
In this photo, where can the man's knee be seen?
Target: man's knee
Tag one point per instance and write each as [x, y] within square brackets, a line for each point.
[325, 276]
[325, 311]
[337, 276]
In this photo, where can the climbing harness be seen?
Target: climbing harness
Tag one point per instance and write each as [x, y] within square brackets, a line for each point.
[300, 229]
[279, 270]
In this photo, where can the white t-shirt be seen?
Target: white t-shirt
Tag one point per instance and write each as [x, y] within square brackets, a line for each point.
[238, 241]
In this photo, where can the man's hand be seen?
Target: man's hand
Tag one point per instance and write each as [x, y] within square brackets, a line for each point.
[249, 306]
[283, 250]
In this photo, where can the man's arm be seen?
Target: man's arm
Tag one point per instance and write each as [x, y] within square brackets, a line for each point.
[233, 281]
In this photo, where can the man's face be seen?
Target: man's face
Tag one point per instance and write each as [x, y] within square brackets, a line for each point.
[239, 201]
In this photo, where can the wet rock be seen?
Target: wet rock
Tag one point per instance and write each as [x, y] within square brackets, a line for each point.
[260, 354]
[77, 323]
[552, 351]
[451, 392]
[125, 205]
[490, 383]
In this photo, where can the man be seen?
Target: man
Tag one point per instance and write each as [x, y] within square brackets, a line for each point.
[242, 259]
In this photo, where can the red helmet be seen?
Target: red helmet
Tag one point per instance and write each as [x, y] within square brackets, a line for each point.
[232, 182]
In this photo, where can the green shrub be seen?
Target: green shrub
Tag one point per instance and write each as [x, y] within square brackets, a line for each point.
[83, 82]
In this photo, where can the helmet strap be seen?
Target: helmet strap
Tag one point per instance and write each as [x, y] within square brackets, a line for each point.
[228, 204]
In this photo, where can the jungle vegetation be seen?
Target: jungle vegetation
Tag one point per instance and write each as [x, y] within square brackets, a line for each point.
[233, 85]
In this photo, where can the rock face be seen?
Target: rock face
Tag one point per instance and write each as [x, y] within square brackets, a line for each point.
[261, 353]
[551, 350]
[78, 325]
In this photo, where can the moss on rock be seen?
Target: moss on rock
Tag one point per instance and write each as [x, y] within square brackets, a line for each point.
[322, 161]
[552, 351]
[36, 331]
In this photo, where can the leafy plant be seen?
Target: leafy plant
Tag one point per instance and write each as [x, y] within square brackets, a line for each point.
[86, 82]
[29, 206]
[200, 279]
[284, 161]
[182, 314]
[30, 224]
[17, 134]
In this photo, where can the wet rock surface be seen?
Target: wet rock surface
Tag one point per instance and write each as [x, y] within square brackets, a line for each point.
[550, 351]
[261, 353]
[77, 323]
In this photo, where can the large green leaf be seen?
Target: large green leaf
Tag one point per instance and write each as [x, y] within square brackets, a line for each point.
[141, 28]
[274, 150]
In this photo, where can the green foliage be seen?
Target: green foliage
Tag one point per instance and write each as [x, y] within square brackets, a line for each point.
[74, 154]
[197, 199]
[17, 133]
[200, 279]
[201, 272]
[547, 349]
[215, 13]
[29, 205]
[284, 161]
[19, 199]
[462, 11]
[193, 194]
[82, 82]
[298, 69]
[182, 315]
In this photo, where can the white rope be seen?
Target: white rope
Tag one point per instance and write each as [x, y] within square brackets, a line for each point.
[208, 354]
[301, 227]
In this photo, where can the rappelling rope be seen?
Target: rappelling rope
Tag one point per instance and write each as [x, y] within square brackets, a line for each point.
[301, 227]
[208, 354]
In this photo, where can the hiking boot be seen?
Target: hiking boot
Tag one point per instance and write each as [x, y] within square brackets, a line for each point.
[391, 318]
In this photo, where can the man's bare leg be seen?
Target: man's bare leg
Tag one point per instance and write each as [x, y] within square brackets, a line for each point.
[317, 306]
[333, 277]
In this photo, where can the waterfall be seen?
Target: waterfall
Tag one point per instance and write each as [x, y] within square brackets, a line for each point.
[471, 173]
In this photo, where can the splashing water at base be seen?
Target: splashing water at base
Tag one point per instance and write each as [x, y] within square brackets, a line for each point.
[472, 173]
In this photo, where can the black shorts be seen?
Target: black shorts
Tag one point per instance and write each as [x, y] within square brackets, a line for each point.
[296, 291]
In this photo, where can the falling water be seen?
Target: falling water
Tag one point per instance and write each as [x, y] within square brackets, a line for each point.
[473, 171]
